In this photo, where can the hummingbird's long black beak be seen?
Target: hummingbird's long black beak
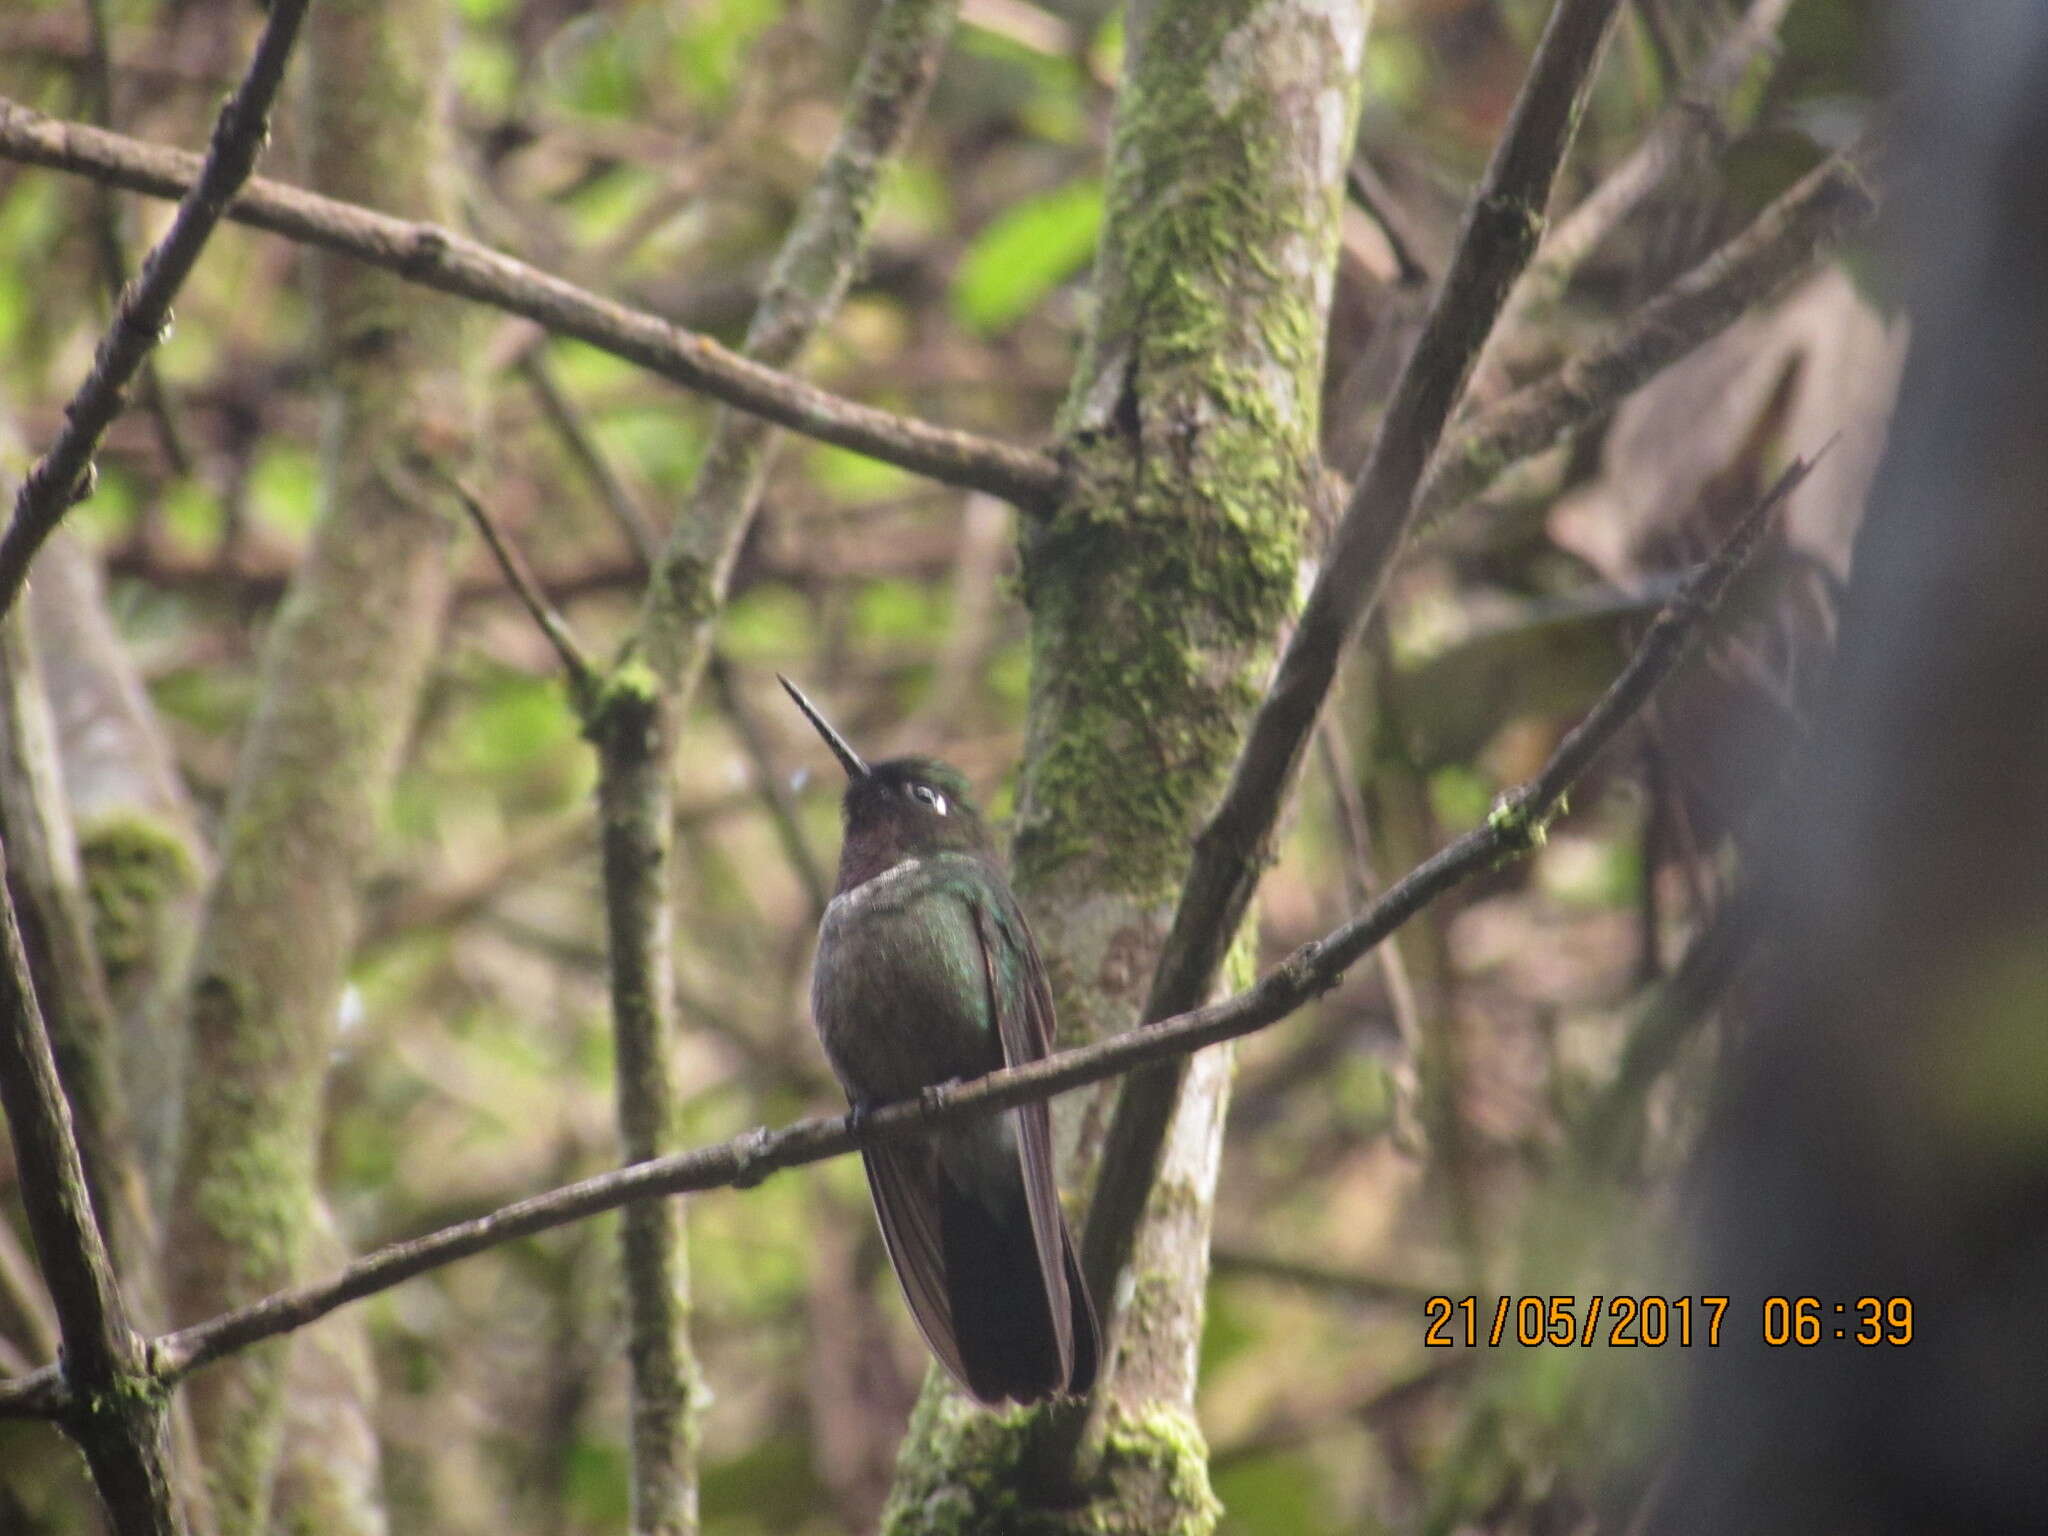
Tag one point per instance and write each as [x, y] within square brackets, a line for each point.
[849, 759]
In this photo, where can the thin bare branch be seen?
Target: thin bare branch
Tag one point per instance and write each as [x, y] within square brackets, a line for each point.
[62, 476]
[120, 1429]
[1499, 235]
[111, 243]
[1813, 216]
[441, 259]
[47, 885]
[583, 676]
[810, 276]
[1515, 828]
[1688, 129]
[562, 415]
[1250, 1263]
[1605, 1134]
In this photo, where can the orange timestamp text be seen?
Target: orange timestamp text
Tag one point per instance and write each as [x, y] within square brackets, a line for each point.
[1623, 1322]
[1808, 1320]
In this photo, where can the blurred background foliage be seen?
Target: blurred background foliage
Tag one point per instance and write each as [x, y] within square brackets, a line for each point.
[656, 150]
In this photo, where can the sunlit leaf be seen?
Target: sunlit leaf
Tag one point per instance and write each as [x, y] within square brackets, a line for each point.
[1025, 253]
[900, 610]
[852, 475]
[284, 486]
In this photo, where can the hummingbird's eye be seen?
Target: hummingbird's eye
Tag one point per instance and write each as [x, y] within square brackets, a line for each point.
[929, 796]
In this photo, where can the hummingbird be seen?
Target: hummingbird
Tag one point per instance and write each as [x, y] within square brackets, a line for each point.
[926, 973]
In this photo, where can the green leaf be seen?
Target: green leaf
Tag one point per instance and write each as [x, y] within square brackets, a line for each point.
[708, 52]
[517, 722]
[852, 475]
[900, 611]
[284, 487]
[766, 623]
[1025, 253]
[192, 516]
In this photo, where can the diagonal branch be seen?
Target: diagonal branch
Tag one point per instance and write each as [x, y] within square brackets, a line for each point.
[120, 1429]
[451, 263]
[110, 241]
[552, 625]
[62, 476]
[1814, 215]
[1499, 235]
[1514, 829]
[569, 425]
[1684, 132]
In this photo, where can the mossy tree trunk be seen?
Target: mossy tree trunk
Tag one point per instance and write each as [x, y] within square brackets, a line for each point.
[139, 846]
[1157, 592]
[342, 672]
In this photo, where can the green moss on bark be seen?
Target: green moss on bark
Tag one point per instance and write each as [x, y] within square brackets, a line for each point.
[137, 871]
[1192, 434]
[967, 1472]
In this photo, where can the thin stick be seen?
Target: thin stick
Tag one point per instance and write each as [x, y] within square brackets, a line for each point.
[452, 263]
[112, 245]
[63, 475]
[575, 661]
[636, 729]
[1515, 828]
[569, 426]
[1683, 132]
[1814, 215]
[122, 1431]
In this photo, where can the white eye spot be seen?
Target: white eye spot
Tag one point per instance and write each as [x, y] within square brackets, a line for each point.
[929, 796]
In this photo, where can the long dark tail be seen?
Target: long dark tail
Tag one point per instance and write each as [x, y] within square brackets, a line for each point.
[982, 1294]
[1003, 1308]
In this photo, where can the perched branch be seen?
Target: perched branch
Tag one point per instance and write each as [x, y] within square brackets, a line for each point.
[62, 476]
[1499, 234]
[1817, 213]
[451, 263]
[1515, 828]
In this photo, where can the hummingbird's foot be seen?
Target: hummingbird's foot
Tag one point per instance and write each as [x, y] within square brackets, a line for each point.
[857, 1112]
[933, 1096]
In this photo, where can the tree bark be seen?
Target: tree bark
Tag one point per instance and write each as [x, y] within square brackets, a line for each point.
[138, 838]
[342, 671]
[1158, 592]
